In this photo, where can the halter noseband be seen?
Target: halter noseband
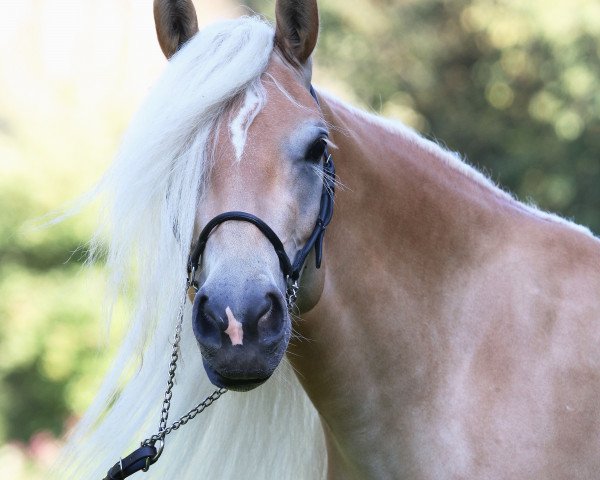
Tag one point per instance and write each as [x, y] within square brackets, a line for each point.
[291, 271]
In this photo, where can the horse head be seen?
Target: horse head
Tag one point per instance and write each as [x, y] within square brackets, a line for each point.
[270, 177]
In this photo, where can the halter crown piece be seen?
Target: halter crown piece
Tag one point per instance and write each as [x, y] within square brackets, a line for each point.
[148, 454]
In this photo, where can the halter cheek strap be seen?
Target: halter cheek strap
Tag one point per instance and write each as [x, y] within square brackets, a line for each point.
[291, 271]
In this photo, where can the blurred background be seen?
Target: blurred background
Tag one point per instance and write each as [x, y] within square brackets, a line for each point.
[513, 86]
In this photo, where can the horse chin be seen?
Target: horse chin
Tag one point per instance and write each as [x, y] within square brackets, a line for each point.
[235, 384]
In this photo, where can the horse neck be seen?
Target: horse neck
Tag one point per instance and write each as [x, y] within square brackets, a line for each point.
[410, 224]
[407, 207]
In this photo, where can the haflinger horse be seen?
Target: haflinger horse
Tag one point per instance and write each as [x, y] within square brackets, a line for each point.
[451, 332]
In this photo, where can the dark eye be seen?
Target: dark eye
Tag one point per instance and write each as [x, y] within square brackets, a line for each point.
[316, 150]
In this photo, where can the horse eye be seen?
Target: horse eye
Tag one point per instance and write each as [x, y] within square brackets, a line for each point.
[316, 150]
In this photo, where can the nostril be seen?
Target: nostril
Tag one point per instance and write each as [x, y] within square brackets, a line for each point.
[271, 320]
[201, 298]
[267, 308]
[207, 324]
[220, 320]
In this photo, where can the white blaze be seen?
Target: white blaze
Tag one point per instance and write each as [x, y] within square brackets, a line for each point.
[240, 124]
[234, 328]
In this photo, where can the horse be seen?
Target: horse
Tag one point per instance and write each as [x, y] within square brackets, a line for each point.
[451, 332]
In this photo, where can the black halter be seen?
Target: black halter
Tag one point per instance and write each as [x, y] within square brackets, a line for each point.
[291, 271]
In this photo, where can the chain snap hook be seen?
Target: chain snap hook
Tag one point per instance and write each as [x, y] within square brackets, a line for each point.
[159, 450]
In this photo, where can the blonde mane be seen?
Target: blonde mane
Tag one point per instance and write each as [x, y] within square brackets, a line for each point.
[153, 191]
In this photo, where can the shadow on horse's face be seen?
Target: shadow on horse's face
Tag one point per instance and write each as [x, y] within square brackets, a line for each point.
[265, 164]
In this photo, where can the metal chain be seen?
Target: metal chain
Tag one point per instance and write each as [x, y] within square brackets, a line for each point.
[203, 405]
[164, 414]
[147, 454]
[163, 430]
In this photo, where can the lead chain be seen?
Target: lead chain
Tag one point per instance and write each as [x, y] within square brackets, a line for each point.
[143, 457]
[164, 414]
[163, 430]
[203, 405]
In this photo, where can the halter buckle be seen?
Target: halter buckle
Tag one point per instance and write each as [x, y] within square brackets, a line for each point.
[190, 278]
[291, 294]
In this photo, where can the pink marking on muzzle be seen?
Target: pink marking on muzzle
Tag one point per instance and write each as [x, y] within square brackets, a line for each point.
[234, 328]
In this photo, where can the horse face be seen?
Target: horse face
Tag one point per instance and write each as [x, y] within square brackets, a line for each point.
[268, 166]
[268, 147]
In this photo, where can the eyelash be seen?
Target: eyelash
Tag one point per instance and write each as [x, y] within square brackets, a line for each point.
[316, 150]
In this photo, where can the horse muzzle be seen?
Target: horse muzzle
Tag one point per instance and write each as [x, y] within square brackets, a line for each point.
[242, 340]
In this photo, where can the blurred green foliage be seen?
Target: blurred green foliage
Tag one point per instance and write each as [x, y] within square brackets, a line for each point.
[49, 304]
[58, 130]
[514, 86]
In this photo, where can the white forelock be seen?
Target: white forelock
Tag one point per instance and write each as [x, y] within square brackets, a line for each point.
[153, 191]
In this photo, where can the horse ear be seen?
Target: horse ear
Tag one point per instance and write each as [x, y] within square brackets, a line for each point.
[296, 28]
[176, 23]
